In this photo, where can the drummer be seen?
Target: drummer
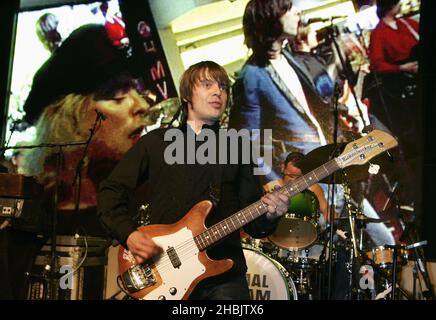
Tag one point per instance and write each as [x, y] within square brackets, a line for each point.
[291, 170]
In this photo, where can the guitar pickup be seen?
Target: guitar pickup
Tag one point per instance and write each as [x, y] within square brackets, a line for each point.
[138, 277]
[175, 260]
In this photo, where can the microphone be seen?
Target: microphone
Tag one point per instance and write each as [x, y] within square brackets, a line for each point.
[319, 19]
[100, 115]
[391, 195]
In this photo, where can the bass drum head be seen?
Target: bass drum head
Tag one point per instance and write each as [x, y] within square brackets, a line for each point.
[266, 278]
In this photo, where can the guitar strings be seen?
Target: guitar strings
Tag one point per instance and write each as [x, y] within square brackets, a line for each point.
[189, 247]
[181, 248]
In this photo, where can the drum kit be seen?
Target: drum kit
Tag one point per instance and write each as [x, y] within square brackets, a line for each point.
[292, 262]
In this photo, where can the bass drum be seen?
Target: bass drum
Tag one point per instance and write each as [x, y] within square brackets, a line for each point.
[267, 279]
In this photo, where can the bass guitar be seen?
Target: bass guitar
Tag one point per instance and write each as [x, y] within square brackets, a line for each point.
[173, 274]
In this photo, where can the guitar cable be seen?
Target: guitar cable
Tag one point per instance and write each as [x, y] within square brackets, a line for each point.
[120, 285]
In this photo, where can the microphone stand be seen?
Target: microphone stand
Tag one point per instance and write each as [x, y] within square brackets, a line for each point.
[78, 176]
[337, 92]
[332, 36]
[53, 292]
[421, 262]
[366, 129]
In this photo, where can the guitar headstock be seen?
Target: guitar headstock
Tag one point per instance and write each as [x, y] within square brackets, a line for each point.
[362, 150]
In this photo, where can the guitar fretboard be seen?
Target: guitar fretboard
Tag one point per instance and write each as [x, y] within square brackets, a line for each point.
[255, 210]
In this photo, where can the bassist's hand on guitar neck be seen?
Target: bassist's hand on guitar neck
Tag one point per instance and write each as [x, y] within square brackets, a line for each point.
[277, 204]
[141, 246]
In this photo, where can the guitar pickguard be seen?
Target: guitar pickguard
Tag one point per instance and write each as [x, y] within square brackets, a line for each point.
[176, 280]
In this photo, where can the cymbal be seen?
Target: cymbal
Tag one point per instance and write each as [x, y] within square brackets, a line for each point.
[354, 173]
[363, 218]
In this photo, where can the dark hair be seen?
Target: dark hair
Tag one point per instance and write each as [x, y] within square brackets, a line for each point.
[384, 6]
[197, 72]
[294, 157]
[261, 24]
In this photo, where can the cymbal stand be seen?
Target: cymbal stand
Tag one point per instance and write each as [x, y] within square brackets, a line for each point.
[355, 263]
[394, 269]
[350, 218]
[332, 193]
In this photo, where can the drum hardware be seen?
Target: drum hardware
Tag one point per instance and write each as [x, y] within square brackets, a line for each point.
[384, 277]
[379, 258]
[411, 235]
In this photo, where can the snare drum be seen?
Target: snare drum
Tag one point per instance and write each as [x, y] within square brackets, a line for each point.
[385, 256]
[298, 229]
[266, 278]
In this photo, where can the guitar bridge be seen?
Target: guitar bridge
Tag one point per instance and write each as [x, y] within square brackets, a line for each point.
[138, 277]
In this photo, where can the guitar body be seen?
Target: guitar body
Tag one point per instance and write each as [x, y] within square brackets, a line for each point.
[171, 280]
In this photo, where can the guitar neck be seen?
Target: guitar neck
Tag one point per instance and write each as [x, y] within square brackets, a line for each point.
[255, 210]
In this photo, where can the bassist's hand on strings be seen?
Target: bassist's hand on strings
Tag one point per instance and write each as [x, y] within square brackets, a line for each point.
[141, 246]
[277, 204]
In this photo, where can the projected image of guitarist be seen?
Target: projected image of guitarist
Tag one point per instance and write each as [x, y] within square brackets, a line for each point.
[181, 188]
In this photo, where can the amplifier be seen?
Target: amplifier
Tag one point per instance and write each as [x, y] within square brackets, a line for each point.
[24, 214]
[18, 186]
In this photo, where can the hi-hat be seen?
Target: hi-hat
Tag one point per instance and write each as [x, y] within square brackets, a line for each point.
[323, 154]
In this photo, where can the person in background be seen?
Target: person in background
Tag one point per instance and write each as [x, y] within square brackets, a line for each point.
[273, 91]
[394, 40]
[394, 89]
[46, 30]
[292, 171]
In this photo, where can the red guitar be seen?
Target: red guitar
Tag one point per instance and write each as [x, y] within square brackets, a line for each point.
[184, 262]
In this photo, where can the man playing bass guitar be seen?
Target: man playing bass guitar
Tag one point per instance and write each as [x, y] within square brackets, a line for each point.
[176, 188]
